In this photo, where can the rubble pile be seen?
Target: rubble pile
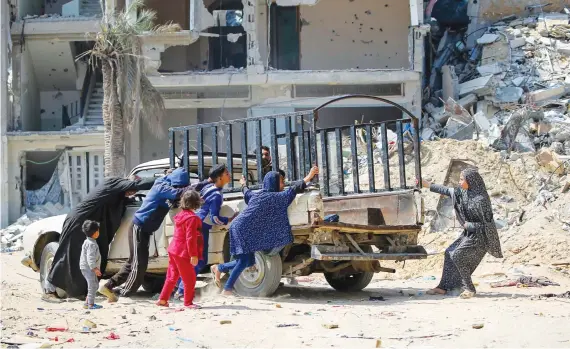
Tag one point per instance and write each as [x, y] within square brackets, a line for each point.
[11, 236]
[509, 90]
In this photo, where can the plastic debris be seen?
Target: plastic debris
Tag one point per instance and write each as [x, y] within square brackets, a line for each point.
[112, 336]
[56, 329]
[330, 326]
[287, 325]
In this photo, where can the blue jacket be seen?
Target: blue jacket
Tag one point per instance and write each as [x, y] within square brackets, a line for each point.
[155, 207]
[213, 199]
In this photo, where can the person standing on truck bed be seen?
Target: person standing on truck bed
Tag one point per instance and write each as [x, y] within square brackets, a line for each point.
[475, 214]
[262, 226]
[146, 221]
[209, 212]
[106, 204]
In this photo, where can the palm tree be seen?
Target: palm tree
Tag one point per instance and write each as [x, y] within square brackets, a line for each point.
[128, 94]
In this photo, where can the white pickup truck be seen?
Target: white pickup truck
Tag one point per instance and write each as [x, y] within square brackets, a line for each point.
[41, 238]
[376, 222]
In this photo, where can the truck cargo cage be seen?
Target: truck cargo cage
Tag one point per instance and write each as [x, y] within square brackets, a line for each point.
[302, 144]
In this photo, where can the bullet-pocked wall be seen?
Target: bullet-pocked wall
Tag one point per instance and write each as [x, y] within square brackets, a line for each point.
[362, 34]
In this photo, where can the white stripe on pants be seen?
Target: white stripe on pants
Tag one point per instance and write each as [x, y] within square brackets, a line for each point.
[134, 265]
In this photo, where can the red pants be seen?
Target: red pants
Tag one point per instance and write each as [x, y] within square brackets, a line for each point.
[179, 267]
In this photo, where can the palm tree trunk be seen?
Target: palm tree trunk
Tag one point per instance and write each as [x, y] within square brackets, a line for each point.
[113, 122]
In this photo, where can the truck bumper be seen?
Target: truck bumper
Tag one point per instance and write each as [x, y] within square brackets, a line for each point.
[332, 253]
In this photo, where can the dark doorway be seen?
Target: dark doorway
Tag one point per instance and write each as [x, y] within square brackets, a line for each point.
[285, 37]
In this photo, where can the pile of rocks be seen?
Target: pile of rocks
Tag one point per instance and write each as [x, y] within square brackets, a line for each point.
[509, 89]
[11, 236]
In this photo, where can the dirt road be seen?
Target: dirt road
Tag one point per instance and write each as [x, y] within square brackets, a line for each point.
[295, 317]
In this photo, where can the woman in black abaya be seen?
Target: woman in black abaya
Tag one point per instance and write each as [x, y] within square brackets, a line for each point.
[105, 204]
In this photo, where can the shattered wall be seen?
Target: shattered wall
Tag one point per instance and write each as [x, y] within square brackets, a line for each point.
[364, 34]
[496, 9]
[185, 58]
[18, 145]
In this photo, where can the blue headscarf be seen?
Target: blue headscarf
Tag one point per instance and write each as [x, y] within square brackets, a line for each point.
[272, 182]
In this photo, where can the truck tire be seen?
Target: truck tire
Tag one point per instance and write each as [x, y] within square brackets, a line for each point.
[153, 284]
[45, 266]
[263, 280]
[350, 282]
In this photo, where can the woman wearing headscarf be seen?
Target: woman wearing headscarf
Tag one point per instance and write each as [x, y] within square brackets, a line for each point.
[106, 204]
[262, 226]
[475, 214]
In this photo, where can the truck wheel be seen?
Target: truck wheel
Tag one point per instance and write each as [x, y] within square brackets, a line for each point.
[45, 266]
[153, 284]
[262, 279]
[350, 282]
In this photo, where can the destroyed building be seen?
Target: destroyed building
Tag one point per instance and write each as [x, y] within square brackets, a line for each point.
[232, 59]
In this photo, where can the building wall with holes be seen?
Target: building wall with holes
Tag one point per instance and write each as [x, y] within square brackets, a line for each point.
[364, 34]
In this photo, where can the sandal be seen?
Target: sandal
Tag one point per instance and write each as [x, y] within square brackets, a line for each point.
[467, 295]
[214, 270]
[193, 306]
[165, 304]
[433, 292]
[92, 306]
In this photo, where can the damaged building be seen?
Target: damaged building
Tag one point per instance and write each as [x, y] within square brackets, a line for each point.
[232, 59]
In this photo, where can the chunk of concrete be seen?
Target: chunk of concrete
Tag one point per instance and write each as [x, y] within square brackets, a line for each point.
[563, 48]
[496, 52]
[468, 101]
[519, 80]
[548, 160]
[508, 95]
[546, 94]
[491, 69]
[517, 42]
[482, 122]
[481, 86]
[450, 82]
[458, 130]
[487, 39]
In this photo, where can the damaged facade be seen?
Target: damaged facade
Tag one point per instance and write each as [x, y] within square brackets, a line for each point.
[232, 59]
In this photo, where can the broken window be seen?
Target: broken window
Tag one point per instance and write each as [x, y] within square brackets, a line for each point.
[227, 46]
[284, 31]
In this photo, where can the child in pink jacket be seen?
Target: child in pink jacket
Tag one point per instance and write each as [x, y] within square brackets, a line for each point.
[184, 251]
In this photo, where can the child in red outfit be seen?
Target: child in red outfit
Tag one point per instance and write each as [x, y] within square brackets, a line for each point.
[185, 250]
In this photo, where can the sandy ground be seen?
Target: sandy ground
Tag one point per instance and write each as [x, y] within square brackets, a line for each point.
[511, 317]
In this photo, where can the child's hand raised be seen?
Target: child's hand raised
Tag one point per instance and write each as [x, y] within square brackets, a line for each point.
[242, 181]
[194, 261]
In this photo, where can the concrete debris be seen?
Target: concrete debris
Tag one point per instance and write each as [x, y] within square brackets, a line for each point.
[512, 84]
[11, 236]
[481, 86]
[487, 39]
